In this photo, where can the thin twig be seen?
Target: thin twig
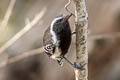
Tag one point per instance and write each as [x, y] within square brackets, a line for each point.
[66, 7]
[22, 56]
[7, 15]
[23, 31]
[104, 36]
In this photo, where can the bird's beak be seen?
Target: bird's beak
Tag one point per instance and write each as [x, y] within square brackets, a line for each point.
[66, 17]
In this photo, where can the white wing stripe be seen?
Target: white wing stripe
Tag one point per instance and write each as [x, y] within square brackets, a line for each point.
[54, 37]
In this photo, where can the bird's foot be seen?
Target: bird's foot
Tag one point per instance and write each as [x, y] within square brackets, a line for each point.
[73, 33]
[60, 62]
[78, 66]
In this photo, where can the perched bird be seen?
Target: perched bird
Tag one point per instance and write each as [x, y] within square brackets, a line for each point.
[57, 38]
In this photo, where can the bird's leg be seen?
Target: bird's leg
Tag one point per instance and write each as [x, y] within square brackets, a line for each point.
[73, 33]
[73, 65]
[60, 61]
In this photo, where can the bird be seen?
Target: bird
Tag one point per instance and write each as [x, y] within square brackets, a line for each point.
[57, 38]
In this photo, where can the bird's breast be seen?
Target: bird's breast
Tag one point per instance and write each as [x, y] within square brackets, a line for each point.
[56, 55]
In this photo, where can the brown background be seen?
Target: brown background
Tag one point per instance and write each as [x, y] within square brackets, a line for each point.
[104, 53]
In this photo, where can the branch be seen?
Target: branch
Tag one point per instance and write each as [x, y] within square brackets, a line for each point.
[81, 23]
[23, 31]
[22, 56]
[40, 50]
[104, 36]
[7, 15]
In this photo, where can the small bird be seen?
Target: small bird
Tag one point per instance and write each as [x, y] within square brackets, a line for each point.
[57, 38]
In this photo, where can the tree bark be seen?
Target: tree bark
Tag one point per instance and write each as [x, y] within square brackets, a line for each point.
[81, 23]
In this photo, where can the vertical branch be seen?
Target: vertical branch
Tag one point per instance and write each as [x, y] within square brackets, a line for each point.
[81, 23]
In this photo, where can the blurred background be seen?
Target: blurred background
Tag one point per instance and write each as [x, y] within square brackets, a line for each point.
[103, 40]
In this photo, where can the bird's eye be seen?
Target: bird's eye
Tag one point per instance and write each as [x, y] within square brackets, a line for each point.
[48, 47]
[60, 20]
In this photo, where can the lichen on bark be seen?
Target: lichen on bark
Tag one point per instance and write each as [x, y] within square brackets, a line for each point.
[81, 23]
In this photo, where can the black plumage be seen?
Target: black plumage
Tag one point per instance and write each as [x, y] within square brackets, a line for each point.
[57, 38]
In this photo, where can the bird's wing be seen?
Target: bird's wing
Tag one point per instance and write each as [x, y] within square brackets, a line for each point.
[47, 37]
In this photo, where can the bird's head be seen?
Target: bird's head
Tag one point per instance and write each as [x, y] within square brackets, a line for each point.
[62, 18]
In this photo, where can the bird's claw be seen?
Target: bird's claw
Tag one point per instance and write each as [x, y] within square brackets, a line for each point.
[78, 66]
[73, 33]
